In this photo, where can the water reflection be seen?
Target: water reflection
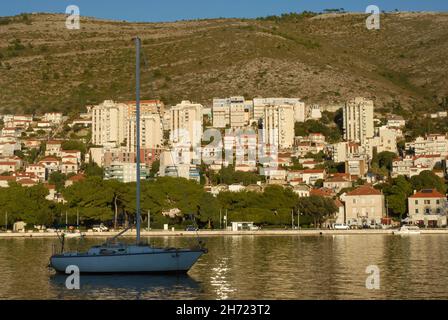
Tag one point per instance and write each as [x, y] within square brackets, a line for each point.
[248, 267]
[127, 287]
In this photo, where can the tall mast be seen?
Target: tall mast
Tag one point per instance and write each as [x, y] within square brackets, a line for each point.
[137, 113]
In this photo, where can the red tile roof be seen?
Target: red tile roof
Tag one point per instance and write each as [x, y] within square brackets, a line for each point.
[322, 192]
[314, 171]
[365, 190]
[337, 179]
[7, 178]
[77, 177]
[427, 193]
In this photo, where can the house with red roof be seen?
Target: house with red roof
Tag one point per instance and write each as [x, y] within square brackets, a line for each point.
[53, 148]
[37, 169]
[363, 205]
[5, 180]
[27, 182]
[310, 176]
[428, 208]
[8, 166]
[337, 183]
[50, 163]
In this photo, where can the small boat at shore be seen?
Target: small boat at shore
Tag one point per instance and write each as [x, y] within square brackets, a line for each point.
[407, 230]
[73, 234]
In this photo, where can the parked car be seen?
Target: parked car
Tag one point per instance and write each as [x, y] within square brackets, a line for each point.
[100, 228]
[191, 228]
[340, 226]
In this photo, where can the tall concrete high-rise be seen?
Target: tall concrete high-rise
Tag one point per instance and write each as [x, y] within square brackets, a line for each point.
[186, 123]
[109, 123]
[112, 122]
[358, 120]
[278, 126]
[230, 112]
[151, 134]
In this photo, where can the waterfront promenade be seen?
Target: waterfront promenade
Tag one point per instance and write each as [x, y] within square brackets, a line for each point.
[182, 233]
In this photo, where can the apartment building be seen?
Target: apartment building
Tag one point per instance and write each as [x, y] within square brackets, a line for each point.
[260, 104]
[125, 171]
[186, 124]
[356, 166]
[278, 126]
[358, 120]
[428, 207]
[342, 151]
[429, 145]
[151, 132]
[109, 123]
[395, 121]
[385, 140]
[112, 122]
[233, 112]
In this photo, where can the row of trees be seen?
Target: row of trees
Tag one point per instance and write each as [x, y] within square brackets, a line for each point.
[110, 201]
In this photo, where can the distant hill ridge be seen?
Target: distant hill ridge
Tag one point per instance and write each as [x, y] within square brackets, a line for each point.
[324, 59]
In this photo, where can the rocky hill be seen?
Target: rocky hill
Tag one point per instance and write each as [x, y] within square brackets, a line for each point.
[324, 59]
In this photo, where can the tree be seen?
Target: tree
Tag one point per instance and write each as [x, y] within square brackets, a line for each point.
[91, 169]
[428, 180]
[154, 168]
[58, 179]
[318, 208]
[74, 145]
[27, 204]
[382, 162]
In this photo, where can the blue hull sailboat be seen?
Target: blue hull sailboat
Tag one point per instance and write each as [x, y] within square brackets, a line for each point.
[113, 257]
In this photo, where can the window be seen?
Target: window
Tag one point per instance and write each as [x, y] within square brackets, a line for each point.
[416, 201]
[427, 201]
[416, 210]
[438, 201]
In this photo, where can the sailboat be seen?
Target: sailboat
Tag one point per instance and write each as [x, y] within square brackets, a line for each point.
[116, 257]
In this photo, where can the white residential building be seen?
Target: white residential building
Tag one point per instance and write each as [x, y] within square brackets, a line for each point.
[109, 123]
[230, 112]
[429, 145]
[38, 170]
[385, 140]
[428, 208]
[151, 132]
[358, 120]
[261, 103]
[364, 205]
[53, 117]
[186, 124]
[278, 126]
[125, 171]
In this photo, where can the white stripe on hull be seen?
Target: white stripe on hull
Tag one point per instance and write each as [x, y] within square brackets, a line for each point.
[150, 262]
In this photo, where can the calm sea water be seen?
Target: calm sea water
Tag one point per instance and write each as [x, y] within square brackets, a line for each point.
[249, 267]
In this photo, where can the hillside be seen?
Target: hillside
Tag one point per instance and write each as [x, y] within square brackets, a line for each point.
[323, 59]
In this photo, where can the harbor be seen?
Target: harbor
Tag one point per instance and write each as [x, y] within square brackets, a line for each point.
[211, 233]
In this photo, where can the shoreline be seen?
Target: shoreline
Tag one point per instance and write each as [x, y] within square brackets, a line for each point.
[211, 233]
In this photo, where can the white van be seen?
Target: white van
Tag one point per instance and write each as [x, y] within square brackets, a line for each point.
[340, 226]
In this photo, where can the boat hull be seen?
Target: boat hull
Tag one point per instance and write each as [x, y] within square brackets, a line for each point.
[161, 262]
